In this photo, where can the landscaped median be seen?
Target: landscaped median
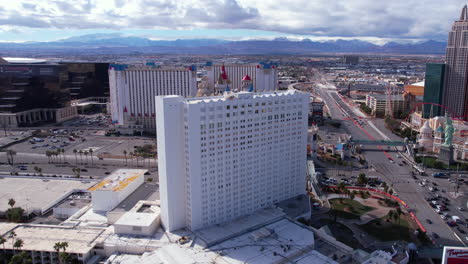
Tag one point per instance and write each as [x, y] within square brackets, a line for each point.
[389, 228]
[349, 209]
[390, 196]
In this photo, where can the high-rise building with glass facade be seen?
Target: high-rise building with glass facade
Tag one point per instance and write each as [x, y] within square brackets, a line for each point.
[433, 89]
[455, 93]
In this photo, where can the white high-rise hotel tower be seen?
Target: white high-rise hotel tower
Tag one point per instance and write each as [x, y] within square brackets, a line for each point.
[264, 75]
[133, 88]
[227, 156]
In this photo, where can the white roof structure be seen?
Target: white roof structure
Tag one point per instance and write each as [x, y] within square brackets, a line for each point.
[38, 194]
[44, 237]
[240, 95]
[118, 180]
[290, 241]
[135, 218]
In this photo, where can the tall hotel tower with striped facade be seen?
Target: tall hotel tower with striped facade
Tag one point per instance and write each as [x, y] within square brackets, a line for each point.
[455, 91]
[134, 87]
[224, 157]
[264, 75]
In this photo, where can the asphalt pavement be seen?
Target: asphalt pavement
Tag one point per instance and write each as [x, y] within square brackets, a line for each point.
[398, 177]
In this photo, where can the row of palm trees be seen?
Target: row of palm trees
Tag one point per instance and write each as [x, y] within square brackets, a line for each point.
[135, 155]
[17, 244]
[85, 153]
[58, 156]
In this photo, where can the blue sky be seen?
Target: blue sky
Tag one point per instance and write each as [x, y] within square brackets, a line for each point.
[375, 21]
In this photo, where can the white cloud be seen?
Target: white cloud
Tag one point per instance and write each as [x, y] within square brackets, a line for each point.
[335, 18]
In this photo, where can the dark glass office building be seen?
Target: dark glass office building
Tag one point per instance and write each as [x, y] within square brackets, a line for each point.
[433, 89]
[455, 94]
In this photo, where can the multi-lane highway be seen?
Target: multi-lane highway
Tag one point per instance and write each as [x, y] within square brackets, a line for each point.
[399, 177]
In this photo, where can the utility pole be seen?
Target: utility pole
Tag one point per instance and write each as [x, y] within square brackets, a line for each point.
[456, 178]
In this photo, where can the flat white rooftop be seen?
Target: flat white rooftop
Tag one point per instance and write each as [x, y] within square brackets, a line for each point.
[137, 219]
[218, 233]
[292, 243]
[118, 180]
[6, 227]
[43, 238]
[36, 194]
[240, 95]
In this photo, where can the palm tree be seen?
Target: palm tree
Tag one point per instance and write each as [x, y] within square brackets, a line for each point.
[47, 153]
[60, 153]
[12, 236]
[63, 257]
[399, 212]
[91, 153]
[86, 155]
[390, 215]
[11, 202]
[81, 156]
[2, 242]
[56, 154]
[131, 157]
[17, 245]
[76, 158]
[125, 155]
[38, 170]
[10, 156]
[57, 246]
[63, 154]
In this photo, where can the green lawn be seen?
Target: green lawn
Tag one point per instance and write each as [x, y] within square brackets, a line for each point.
[387, 231]
[347, 208]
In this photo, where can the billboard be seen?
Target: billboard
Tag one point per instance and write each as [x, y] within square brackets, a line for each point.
[455, 255]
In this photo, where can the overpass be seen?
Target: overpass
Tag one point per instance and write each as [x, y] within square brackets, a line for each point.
[356, 144]
[378, 143]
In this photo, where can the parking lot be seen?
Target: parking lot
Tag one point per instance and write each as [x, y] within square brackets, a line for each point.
[81, 140]
[96, 120]
[107, 154]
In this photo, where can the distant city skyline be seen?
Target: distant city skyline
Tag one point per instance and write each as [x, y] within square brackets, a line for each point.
[376, 22]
